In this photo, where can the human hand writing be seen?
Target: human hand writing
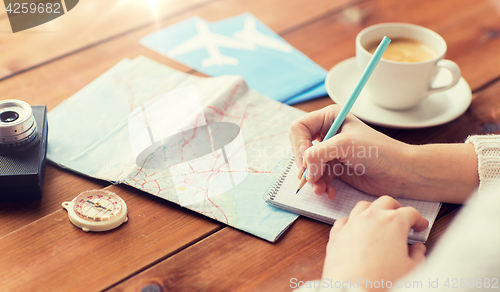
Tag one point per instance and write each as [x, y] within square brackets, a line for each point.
[379, 165]
[359, 155]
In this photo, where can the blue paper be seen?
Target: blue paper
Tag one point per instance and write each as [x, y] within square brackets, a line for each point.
[317, 91]
[240, 45]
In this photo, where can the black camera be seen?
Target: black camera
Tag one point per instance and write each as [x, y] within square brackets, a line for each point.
[23, 147]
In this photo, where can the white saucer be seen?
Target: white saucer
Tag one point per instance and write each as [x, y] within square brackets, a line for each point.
[437, 109]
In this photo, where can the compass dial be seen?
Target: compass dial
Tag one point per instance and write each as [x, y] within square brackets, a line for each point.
[97, 210]
[97, 205]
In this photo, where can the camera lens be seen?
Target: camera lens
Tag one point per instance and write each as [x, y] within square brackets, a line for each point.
[9, 116]
[17, 126]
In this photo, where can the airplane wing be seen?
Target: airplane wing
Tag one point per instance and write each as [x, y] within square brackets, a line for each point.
[228, 42]
[192, 44]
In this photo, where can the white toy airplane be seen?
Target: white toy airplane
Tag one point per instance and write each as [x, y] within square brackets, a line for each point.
[251, 35]
[211, 42]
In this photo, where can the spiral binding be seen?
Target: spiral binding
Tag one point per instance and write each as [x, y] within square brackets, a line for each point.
[274, 190]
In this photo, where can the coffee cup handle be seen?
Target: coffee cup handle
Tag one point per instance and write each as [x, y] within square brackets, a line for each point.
[455, 73]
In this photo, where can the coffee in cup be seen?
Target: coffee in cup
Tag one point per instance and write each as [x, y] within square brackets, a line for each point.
[405, 50]
[404, 76]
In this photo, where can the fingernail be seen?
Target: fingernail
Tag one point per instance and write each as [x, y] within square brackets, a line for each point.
[422, 247]
[300, 172]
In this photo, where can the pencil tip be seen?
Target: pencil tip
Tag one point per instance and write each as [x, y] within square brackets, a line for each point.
[297, 191]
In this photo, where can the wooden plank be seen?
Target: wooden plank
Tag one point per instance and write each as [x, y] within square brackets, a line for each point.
[279, 15]
[482, 117]
[316, 104]
[447, 208]
[58, 80]
[51, 254]
[59, 186]
[73, 31]
[485, 109]
[233, 261]
[90, 22]
[439, 228]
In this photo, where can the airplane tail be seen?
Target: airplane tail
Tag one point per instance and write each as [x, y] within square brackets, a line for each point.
[219, 61]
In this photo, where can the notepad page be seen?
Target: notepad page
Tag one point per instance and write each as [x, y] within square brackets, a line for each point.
[321, 208]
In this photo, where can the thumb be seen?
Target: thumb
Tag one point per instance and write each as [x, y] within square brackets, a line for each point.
[417, 252]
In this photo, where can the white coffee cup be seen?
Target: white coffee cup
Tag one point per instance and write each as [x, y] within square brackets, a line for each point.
[403, 85]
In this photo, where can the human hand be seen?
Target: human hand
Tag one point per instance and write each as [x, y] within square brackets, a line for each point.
[371, 245]
[359, 155]
[379, 165]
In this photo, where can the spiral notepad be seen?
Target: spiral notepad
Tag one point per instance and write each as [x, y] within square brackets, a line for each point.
[282, 195]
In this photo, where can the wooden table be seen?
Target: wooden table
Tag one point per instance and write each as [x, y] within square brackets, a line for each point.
[167, 248]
